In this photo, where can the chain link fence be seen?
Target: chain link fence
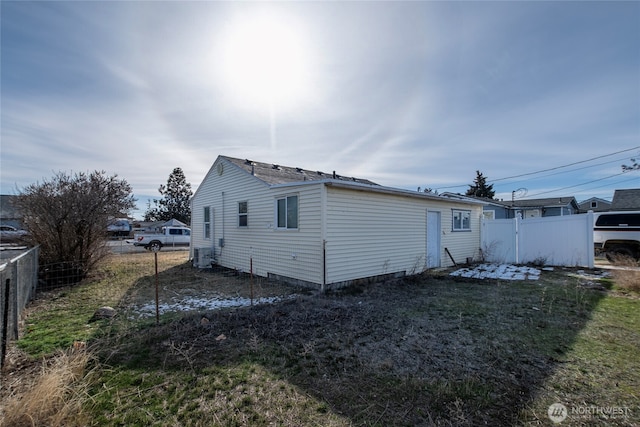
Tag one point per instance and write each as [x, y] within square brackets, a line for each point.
[18, 282]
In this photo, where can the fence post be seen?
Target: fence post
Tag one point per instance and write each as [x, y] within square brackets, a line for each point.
[590, 249]
[5, 320]
[517, 239]
[14, 302]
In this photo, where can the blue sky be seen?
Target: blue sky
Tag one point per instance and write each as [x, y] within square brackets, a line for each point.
[406, 94]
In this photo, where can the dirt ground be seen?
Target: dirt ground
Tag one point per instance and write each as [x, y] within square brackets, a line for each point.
[472, 343]
[464, 348]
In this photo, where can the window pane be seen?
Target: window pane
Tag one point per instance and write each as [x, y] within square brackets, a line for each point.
[292, 212]
[466, 220]
[457, 220]
[242, 207]
[242, 220]
[207, 217]
[207, 231]
[282, 213]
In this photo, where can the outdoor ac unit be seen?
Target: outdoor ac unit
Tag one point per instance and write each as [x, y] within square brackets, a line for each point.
[202, 257]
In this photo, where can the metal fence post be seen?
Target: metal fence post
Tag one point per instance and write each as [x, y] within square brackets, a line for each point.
[5, 320]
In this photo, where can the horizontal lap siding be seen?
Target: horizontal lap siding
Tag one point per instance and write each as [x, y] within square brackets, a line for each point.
[371, 234]
[290, 253]
[461, 244]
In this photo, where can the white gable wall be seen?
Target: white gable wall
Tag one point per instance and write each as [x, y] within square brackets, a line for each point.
[290, 253]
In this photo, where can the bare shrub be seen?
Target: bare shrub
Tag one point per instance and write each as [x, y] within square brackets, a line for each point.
[68, 216]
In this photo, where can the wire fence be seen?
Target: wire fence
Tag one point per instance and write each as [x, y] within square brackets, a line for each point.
[18, 282]
[301, 265]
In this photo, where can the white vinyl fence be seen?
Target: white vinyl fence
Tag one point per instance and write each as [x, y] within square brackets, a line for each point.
[554, 240]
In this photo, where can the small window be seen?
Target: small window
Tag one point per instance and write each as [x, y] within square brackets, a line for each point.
[287, 212]
[243, 214]
[594, 204]
[207, 222]
[461, 220]
[175, 231]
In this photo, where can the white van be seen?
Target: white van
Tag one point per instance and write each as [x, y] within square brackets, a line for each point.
[617, 232]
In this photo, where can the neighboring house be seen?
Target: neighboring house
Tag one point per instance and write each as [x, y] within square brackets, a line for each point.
[532, 208]
[626, 200]
[552, 206]
[324, 230]
[594, 204]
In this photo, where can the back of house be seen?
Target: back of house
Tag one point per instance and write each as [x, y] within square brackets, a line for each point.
[324, 229]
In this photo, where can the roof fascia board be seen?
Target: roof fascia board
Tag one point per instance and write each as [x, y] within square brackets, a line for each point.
[396, 192]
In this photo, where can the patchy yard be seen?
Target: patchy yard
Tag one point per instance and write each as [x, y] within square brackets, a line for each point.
[428, 350]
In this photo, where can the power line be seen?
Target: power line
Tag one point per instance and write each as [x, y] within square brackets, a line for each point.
[577, 185]
[564, 166]
[552, 169]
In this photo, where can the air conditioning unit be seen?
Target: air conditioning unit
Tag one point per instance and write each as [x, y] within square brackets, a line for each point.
[202, 257]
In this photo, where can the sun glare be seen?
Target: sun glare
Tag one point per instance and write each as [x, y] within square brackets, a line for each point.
[265, 63]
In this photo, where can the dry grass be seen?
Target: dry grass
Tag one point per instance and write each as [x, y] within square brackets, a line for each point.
[627, 277]
[422, 351]
[56, 395]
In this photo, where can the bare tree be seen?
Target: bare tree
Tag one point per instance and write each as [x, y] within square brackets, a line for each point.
[68, 215]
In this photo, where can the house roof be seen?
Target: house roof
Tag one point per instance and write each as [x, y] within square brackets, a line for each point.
[626, 200]
[523, 203]
[594, 199]
[543, 203]
[278, 174]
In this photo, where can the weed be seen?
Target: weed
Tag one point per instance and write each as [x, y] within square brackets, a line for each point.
[56, 396]
[406, 352]
[627, 276]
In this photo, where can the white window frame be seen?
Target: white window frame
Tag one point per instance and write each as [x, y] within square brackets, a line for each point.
[244, 214]
[285, 201]
[206, 212]
[462, 214]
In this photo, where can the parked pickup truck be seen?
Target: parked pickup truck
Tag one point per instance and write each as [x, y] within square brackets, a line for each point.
[617, 233]
[170, 236]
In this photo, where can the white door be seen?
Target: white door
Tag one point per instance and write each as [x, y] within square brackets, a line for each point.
[433, 239]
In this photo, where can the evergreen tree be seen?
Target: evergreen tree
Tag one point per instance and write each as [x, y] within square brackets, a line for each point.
[633, 167]
[175, 201]
[479, 188]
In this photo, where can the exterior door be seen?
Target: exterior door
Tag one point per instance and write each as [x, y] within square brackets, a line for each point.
[433, 239]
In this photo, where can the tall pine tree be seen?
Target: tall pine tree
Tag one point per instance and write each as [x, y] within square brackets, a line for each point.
[479, 188]
[174, 202]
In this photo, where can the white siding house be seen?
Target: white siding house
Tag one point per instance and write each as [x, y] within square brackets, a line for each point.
[323, 229]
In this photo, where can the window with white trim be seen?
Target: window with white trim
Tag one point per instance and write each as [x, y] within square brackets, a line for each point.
[243, 214]
[287, 212]
[461, 220]
[207, 222]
